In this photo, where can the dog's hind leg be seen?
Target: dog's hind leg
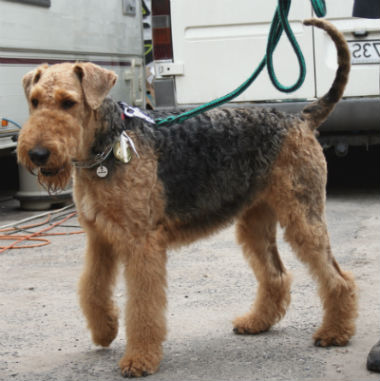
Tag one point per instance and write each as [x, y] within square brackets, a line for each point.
[95, 290]
[309, 239]
[297, 194]
[256, 232]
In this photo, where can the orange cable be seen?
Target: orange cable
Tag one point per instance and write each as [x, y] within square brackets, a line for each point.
[25, 227]
[32, 236]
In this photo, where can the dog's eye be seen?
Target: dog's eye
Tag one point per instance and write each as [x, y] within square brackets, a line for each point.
[34, 102]
[68, 103]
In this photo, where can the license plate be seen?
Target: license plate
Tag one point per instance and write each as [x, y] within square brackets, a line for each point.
[364, 51]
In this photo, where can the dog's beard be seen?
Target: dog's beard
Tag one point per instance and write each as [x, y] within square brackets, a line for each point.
[55, 179]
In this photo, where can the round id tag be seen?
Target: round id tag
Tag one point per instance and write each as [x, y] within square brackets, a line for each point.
[102, 171]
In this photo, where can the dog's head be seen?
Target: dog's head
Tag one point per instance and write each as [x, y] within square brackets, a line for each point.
[63, 100]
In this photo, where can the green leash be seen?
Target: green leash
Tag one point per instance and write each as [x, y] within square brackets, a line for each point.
[279, 24]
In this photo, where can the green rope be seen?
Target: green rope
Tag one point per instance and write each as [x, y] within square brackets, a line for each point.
[279, 24]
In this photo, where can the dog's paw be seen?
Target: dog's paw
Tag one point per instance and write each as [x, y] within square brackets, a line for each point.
[139, 365]
[329, 337]
[105, 331]
[250, 325]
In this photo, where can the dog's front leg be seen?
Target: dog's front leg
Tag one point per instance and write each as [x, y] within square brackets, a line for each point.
[95, 289]
[145, 273]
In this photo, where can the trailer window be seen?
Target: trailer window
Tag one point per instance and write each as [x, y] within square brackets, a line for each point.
[41, 3]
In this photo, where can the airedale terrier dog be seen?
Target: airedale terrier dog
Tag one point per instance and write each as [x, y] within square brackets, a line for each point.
[141, 188]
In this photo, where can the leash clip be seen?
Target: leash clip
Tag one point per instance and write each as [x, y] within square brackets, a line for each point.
[135, 112]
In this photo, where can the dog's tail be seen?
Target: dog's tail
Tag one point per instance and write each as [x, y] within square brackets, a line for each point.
[317, 112]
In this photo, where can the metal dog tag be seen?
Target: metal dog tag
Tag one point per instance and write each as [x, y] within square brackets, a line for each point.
[122, 149]
[123, 155]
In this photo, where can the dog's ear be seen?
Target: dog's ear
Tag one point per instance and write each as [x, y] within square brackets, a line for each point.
[96, 82]
[32, 78]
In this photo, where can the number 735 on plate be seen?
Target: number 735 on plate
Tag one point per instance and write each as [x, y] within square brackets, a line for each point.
[364, 51]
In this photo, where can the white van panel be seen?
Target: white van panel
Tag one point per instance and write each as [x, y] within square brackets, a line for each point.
[364, 78]
[221, 42]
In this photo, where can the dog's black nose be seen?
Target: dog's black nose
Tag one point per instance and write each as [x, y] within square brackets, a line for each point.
[39, 155]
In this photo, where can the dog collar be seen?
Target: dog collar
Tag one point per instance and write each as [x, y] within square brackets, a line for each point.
[121, 150]
[98, 159]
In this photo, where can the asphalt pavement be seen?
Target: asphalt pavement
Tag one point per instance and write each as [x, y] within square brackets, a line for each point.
[43, 333]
